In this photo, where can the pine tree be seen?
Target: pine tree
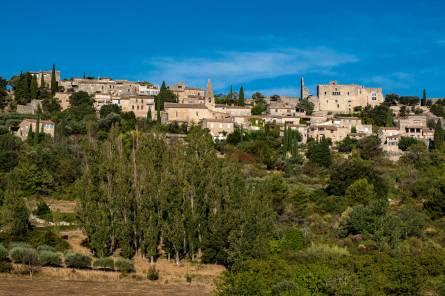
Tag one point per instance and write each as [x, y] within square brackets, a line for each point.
[241, 97]
[54, 85]
[34, 88]
[439, 136]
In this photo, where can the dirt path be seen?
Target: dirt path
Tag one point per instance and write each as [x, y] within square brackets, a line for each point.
[15, 286]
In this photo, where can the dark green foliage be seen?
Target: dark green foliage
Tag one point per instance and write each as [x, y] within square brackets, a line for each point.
[293, 239]
[124, 265]
[344, 173]
[39, 237]
[5, 267]
[54, 84]
[259, 104]
[165, 95]
[241, 97]
[22, 88]
[370, 147]
[307, 106]
[34, 89]
[347, 145]
[435, 197]
[438, 110]
[109, 108]
[43, 211]
[106, 264]
[3, 253]
[406, 142]
[49, 258]
[14, 218]
[379, 115]
[76, 260]
[46, 248]
[3, 93]
[152, 274]
[319, 152]
[28, 256]
[439, 136]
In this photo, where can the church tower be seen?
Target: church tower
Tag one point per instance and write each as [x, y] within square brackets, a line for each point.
[209, 96]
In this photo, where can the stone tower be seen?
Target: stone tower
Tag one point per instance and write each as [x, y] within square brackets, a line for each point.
[209, 96]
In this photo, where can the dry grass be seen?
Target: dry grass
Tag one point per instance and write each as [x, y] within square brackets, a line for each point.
[38, 286]
[56, 205]
[75, 238]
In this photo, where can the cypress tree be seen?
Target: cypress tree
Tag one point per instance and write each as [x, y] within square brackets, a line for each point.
[36, 134]
[42, 81]
[423, 101]
[30, 134]
[241, 96]
[149, 116]
[54, 85]
[438, 136]
[34, 88]
[158, 109]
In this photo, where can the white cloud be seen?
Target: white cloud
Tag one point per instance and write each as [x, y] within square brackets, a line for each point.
[399, 80]
[240, 67]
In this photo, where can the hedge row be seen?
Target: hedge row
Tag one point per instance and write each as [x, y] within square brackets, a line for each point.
[47, 256]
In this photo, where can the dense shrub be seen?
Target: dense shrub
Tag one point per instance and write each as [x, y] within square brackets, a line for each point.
[48, 237]
[76, 260]
[5, 267]
[43, 211]
[19, 244]
[45, 248]
[3, 253]
[106, 264]
[49, 258]
[28, 256]
[153, 274]
[124, 265]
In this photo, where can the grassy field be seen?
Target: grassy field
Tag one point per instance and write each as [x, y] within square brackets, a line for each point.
[15, 286]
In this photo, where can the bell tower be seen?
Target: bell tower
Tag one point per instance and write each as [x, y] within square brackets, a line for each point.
[209, 96]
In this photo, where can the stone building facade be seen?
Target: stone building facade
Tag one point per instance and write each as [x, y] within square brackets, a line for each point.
[45, 126]
[343, 98]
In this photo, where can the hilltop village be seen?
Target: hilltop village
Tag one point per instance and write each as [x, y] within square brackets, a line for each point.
[340, 113]
[120, 183]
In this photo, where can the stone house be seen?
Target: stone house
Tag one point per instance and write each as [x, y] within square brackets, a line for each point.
[46, 126]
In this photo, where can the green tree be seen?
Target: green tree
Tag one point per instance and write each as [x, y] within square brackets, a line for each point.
[54, 84]
[3, 93]
[406, 142]
[319, 152]
[369, 147]
[14, 216]
[241, 97]
[439, 136]
[423, 100]
[361, 191]
[306, 105]
[109, 108]
[149, 116]
[34, 88]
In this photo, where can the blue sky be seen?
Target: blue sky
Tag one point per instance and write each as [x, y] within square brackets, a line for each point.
[263, 45]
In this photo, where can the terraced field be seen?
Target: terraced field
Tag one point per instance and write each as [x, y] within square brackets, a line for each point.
[19, 286]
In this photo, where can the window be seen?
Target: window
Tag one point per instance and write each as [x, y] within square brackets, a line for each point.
[132, 107]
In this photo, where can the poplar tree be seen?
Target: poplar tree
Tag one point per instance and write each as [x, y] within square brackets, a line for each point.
[54, 85]
[241, 96]
[423, 101]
